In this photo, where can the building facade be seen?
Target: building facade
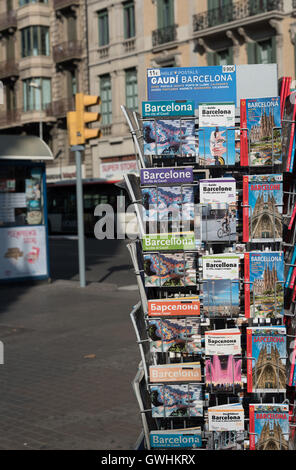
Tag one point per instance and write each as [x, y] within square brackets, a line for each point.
[51, 49]
[43, 50]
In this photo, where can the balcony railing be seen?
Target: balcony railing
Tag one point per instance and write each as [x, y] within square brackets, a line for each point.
[10, 118]
[60, 108]
[8, 69]
[62, 4]
[67, 51]
[233, 12]
[106, 129]
[103, 52]
[164, 35]
[129, 45]
[8, 20]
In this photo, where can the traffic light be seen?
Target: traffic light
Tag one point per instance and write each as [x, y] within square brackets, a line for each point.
[77, 120]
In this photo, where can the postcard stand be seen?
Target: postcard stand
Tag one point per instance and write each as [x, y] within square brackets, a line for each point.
[140, 319]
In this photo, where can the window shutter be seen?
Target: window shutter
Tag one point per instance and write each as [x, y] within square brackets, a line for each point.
[251, 52]
[273, 50]
[211, 58]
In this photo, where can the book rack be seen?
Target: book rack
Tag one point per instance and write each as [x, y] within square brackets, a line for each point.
[210, 319]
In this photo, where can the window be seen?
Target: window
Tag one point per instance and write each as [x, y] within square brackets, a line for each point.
[165, 13]
[36, 94]
[103, 28]
[262, 52]
[72, 83]
[131, 89]
[35, 41]
[106, 99]
[129, 19]
[223, 57]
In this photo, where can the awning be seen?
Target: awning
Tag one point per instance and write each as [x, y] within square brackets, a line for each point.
[24, 147]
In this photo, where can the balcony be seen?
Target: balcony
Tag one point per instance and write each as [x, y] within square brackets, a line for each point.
[67, 51]
[8, 69]
[10, 118]
[8, 21]
[60, 108]
[65, 4]
[235, 12]
[164, 35]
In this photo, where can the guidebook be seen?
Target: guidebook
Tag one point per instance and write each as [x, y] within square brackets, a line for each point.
[155, 176]
[223, 374]
[218, 190]
[221, 298]
[262, 208]
[168, 203]
[219, 209]
[228, 417]
[170, 270]
[216, 146]
[223, 266]
[261, 128]
[223, 342]
[175, 401]
[185, 372]
[188, 438]
[266, 359]
[216, 114]
[176, 335]
[227, 440]
[264, 284]
[172, 307]
[221, 285]
[170, 137]
[223, 361]
[269, 426]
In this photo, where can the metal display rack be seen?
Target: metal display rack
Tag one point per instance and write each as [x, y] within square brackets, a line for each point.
[140, 319]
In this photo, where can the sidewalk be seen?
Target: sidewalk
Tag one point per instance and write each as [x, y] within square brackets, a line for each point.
[70, 356]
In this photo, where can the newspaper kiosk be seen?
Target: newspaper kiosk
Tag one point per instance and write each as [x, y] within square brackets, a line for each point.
[23, 212]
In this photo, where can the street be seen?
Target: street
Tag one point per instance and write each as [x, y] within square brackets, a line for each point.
[70, 354]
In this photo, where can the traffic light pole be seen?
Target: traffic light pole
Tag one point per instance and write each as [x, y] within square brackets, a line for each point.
[78, 134]
[80, 219]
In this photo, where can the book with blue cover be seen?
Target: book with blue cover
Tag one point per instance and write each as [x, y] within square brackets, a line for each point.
[221, 298]
[170, 270]
[180, 335]
[216, 146]
[171, 137]
[168, 203]
[185, 438]
[175, 401]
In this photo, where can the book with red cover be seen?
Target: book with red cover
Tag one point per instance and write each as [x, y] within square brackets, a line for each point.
[244, 160]
[261, 131]
[288, 130]
[269, 426]
[262, 201]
